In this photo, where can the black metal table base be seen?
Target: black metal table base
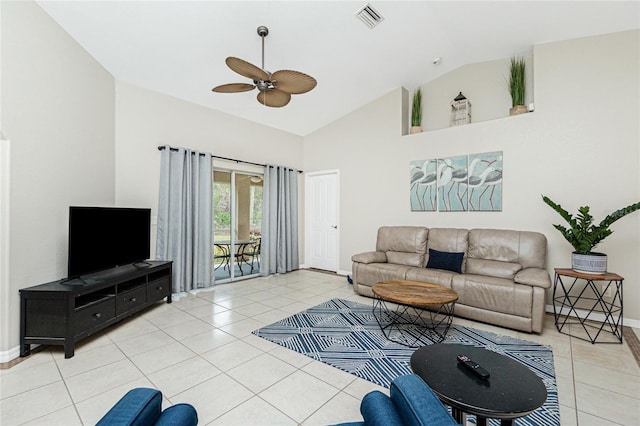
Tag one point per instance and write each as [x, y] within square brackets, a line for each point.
[567, 300]
[411, 326]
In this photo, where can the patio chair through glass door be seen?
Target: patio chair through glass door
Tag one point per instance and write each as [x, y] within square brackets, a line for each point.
[237, 205]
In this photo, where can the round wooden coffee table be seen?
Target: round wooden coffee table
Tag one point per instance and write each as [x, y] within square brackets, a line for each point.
[413, 313]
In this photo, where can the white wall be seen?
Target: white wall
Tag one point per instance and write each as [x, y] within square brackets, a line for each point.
[485, 85]
[78, 137]
[58, 112]
[146, 119]
[580, 147]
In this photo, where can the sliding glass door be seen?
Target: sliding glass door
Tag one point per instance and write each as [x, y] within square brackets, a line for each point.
[237, 220]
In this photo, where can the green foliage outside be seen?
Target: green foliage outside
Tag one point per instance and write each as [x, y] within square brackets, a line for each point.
[222, 212]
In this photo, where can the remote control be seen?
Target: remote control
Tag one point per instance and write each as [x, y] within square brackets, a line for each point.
[473, 366]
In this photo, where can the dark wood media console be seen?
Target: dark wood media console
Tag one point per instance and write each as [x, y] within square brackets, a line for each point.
[64, 312]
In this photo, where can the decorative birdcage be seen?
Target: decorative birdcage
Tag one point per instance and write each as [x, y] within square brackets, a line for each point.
[460, 111]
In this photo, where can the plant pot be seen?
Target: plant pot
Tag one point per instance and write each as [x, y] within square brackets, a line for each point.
[591, 263]
[415, 129]
[518, 109]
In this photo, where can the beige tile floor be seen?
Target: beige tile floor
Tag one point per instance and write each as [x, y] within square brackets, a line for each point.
[200, 350]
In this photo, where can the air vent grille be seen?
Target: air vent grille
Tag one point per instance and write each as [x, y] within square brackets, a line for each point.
[369, 16]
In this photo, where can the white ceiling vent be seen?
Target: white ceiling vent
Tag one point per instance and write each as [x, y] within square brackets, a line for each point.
[369, 16]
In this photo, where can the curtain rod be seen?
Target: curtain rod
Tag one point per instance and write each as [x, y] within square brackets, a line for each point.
[160, 148]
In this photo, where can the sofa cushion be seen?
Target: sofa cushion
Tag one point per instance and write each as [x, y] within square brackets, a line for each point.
[534, 276]
[449, 240]
[408, 259]
[526, 248]
[433, 276]
[445, 260]
[370, 257]
[369, 274]
[493, 294]
[404, 245]
[411, 239]
[493, 268]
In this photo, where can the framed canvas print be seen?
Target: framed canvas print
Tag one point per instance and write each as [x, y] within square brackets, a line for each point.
[422, 185]
[485, 182]
[452, 184]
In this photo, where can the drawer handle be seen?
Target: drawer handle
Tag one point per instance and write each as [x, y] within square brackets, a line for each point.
[133, 299]
[97, 315]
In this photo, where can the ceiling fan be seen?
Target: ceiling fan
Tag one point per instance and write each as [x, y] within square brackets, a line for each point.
[275, 89]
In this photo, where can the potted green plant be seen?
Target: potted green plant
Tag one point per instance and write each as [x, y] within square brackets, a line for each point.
[416, 112]
[517, 83]
[584, 235]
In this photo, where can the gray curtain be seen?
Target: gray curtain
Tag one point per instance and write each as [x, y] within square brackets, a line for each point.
[185, 217]
[279, 251]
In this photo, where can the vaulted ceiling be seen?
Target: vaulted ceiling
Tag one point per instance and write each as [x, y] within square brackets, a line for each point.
[179, 47]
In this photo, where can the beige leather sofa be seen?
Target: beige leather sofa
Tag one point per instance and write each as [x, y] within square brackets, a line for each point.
[502, 280]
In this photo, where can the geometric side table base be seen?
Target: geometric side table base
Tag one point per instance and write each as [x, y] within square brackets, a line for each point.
[575, 303]
[413, 314]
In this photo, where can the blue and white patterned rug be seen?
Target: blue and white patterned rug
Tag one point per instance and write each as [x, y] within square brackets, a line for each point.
[345, 335]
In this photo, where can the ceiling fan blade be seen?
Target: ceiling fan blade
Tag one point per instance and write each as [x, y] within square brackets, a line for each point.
[274, 98]
[293, 82]
[233, 88]
[246, 69]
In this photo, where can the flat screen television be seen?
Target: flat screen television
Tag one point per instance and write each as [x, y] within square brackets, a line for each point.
[105, 237]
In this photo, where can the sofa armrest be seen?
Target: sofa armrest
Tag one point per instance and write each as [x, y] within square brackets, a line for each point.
[139, 406]
[179, 414]
[534, 277]
[417, 404]
[378, 410]
[370, 257]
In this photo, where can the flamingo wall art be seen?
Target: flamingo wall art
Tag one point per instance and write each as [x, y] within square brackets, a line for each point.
[463, 183]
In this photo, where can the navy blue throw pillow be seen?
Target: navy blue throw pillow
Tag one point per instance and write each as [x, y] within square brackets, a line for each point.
[445, 260]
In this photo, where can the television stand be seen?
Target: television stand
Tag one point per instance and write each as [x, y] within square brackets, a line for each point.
[65, 311]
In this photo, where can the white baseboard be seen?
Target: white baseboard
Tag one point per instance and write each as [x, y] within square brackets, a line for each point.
[13, 353]
[600, 317]
[339, 272]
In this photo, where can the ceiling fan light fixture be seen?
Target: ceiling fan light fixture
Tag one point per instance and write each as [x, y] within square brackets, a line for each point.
[275, 89]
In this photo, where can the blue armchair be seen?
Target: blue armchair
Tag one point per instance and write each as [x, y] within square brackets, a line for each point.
[143, 406]
[411, 403]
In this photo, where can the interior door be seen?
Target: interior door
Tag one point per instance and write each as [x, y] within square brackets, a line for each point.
[322, 213]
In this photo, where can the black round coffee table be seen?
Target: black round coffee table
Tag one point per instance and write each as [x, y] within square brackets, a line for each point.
[511, 391]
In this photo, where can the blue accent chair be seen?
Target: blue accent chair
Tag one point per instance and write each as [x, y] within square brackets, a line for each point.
[411, 403]
[143, 406]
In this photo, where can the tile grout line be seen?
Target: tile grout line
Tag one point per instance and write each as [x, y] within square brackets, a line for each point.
[629, 333]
